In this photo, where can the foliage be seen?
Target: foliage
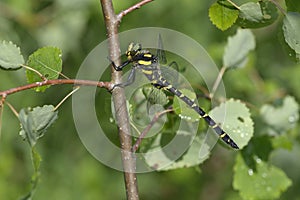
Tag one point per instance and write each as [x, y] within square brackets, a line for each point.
[256, 15]
[291, 29]
[47, 61]
[266, 182]
[11, 57]
[237, 121]
[35, 122]
[223, 15]
[258, 74]
[237, 49]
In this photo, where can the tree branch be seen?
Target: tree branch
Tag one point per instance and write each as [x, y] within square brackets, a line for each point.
[107, 85]
[119, 101]
[132, 8]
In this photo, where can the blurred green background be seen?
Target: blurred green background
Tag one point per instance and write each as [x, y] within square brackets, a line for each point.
[76, 26]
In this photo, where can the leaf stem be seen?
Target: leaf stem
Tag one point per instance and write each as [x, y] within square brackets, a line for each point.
[66, 97]
[278, 6]
[135, 128]
[35, 71]
[232, 3]
[12, 109]
[217, 82]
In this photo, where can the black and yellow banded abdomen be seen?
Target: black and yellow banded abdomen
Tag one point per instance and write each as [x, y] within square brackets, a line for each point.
[225, 137]
[149, 65]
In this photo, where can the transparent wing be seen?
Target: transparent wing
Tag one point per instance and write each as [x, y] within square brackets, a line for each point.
[169, 71]
[160, 53]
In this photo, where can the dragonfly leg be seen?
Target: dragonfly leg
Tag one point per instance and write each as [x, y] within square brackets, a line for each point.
[119, 68]
[129, 81]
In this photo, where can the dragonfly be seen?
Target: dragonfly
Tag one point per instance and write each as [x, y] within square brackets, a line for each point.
[148, 63]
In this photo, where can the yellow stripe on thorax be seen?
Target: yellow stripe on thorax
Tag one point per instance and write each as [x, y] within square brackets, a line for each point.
[148, 55]
[143, 62]
[149, 72]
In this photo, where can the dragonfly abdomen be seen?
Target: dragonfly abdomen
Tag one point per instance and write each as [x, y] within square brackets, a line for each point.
[224, 136]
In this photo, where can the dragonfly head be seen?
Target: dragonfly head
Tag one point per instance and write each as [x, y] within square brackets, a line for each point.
[133, 50]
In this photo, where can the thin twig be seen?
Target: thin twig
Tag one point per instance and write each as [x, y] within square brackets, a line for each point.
[279, 7]
[35, 71]
[232, 3]
[66, 97]
[135, 128]
[61, 74]
[13, 109]
[3, 99]
[107, 85]
[204, 91]
[147, 129]
[41, 75]
[132, 8]
[1, 111]
[217, 82]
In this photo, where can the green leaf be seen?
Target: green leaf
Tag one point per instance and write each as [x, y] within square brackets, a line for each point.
[281, 118]
[36, 161]
[182, 109]
[148, 100]
[193, 156]
[46, 61]
[184, 151]
[291, 30]
[10, 56]
[257, 15]
[288, 161]
[34, 122]
[266, 182]
[237, 48]
[154, 95]
[222, 15]
[255, 148]
[282, 141]
[236, 120]
[292, 5]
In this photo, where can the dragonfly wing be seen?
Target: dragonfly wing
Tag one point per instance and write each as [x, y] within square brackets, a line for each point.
[160, 53]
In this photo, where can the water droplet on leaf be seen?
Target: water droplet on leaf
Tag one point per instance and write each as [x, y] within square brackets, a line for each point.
[250, 172]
